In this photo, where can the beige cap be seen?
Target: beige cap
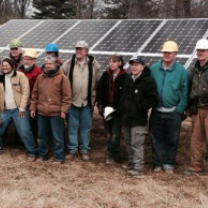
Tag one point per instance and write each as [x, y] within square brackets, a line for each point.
[30, 52]
[82, 44]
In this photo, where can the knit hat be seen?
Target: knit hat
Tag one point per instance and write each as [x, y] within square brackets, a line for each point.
[10, 62]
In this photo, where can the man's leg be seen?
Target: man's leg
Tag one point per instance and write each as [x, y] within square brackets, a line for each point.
[57, 131]
[85, 128]
[24, 130]
[6, 118]
[156, 128]
[172, 133]
[43, 126]
[73, 124]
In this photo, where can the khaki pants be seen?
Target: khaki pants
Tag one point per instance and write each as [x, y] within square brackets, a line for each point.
[199, 139]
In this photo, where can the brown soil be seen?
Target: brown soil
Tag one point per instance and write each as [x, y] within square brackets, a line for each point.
[93, 184]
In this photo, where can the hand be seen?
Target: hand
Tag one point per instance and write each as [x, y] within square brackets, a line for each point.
[63, 115]
[32, 113]
[101, 110]
[21, 114]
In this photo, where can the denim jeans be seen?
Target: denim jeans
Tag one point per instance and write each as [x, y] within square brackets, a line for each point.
[134, 137]
[79, 117]
[113, 131]
[56, 124]
[164, 133]
[23, 128]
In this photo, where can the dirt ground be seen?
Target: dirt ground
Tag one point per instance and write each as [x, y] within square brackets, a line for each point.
[93, 184]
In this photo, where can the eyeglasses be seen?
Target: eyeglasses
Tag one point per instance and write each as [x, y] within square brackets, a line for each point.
[12, 49]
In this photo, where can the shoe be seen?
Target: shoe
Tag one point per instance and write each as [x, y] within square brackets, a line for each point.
[85, 156]
[110, 161]
[169, 171]
[128, 166]
[31, 158]
[157, 169]
[191, 172]
[135, 172]
[41, 159]
[71, 156]
[58, 162]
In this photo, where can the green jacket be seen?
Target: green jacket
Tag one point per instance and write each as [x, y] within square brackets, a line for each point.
[172, 85]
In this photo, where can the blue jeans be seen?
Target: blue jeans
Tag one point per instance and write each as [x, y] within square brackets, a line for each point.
[23, 128]
[113, 131]
[56, 124]
[164, 132]
[79, 117]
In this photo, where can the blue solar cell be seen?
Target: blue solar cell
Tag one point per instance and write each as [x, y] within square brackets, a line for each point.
[184, 32]
[14, 29]
[90, 31]
[128, 36]
[46, 32]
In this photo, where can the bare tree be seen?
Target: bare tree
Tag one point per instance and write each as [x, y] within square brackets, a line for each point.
[21, 7]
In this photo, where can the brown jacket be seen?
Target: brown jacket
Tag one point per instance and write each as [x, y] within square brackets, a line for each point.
[51, 95]
[21, 90]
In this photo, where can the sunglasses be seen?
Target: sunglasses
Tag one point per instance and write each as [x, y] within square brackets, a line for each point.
[14, 49]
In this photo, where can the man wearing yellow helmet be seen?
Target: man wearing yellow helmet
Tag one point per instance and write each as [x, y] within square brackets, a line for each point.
[172, 85]
[16, 52]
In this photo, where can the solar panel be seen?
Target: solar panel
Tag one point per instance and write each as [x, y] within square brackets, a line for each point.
[192, 64]
[184, 32]
[103, 60]
[128, 36]
[150, 60]
[62, 56]
[90, 31]
[4, 53]
[105, 37]
[46, 32]
[14, 29]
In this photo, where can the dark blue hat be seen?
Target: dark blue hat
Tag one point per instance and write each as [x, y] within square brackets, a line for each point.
[137, 60]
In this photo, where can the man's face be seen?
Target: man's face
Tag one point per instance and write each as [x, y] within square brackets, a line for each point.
[6, 67]
[202, 55]
[114, 64]
[15, 52]
[81, 53]
[50, 65]
[136, 68]
[28, 61]
[169, 56]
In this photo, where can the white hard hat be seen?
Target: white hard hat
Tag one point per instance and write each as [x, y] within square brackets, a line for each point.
[202, 44]
[108, 113]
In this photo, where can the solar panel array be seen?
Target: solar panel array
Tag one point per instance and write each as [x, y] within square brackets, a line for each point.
[129, 38]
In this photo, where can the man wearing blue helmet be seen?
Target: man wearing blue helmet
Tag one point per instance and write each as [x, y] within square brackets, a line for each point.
[52, 49]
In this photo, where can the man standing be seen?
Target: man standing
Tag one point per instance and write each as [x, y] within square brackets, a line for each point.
[29, 68]
[83, 72]
[31, 71]
[198, 109]
[16, 52]
[165, 122]
[14, 91]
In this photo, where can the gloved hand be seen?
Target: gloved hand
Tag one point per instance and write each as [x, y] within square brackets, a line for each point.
[101, 110]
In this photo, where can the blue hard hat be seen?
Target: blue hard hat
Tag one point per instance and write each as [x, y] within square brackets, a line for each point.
[52, 47]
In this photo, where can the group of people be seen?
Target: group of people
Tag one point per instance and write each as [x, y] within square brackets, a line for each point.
[39, 99]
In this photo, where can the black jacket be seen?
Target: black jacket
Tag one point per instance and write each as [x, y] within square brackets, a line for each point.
[103, 89]
[138, 97]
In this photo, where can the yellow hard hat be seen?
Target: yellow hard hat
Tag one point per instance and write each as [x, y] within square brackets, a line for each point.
[30, 52]
[169, 46]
